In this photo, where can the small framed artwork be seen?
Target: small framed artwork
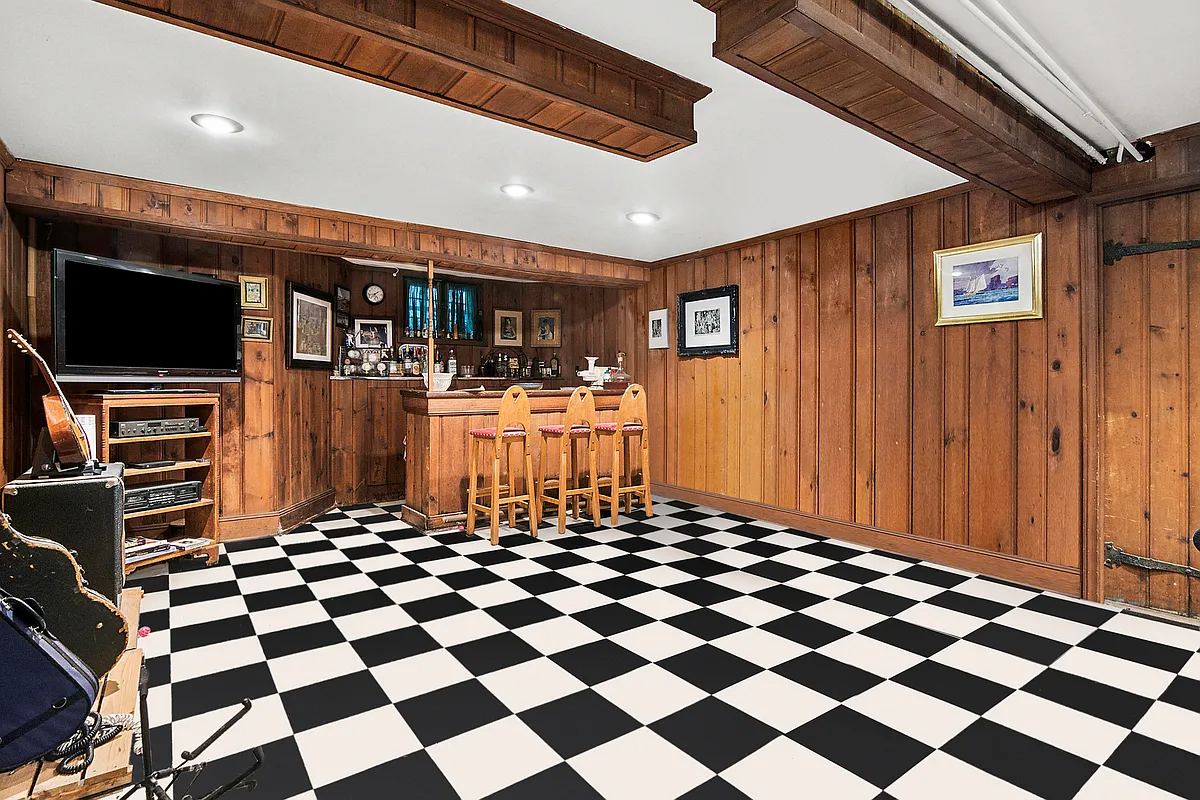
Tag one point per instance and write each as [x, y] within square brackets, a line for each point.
[508, 332]
[373, 332]
[658, 330]
[341, 320]
[254, 292]
[547, 327]
[989, 282]
[256, 329]
[309, 331]
[341, 300]
[708, 322]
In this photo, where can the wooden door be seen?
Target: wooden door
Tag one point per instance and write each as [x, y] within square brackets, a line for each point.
[1150, 401]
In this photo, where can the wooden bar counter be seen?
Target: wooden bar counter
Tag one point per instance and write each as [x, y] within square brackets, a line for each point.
[437, 427]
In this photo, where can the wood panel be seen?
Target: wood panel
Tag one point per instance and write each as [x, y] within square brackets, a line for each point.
[16, 443]
[1151, 417]
[868, 64]
[483, 56]
[956, 434]
[97, 198]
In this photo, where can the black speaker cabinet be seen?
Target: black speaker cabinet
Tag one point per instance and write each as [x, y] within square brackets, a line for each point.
[83, 514]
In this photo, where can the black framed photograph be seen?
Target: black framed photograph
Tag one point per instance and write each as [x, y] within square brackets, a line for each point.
[309, 329]
[708, 322]
[373, 332]
[341, 296]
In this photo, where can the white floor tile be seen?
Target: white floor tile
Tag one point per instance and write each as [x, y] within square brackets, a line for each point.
[640, 766]
[650, 693]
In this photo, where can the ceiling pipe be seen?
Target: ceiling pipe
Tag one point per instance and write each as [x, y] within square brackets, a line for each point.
[1036, 55]
[942, 34]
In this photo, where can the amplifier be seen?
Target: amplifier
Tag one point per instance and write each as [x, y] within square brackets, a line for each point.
[127, 429]
[84, 514]
[161, 495]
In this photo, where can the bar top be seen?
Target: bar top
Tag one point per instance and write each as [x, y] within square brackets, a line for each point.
[465, 403]
[496, 394]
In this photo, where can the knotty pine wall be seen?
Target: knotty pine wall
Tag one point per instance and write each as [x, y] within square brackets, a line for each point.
[847, 403]
[15, 440]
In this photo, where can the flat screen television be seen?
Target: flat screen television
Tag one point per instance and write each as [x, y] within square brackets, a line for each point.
[116, 322]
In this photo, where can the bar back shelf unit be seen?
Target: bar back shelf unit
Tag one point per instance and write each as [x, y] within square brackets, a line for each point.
[196, 456]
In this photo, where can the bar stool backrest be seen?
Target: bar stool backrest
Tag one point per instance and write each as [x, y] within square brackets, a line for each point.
[514, 412]
[581, 410]
[632, 409]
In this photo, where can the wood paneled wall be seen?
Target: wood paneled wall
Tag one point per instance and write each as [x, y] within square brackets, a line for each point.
[276, 422]
[847, 403]
[15, 441]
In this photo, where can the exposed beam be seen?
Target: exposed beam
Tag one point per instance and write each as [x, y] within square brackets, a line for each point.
[44, 190]
[865, 62]
[6, 156]
[484, 56]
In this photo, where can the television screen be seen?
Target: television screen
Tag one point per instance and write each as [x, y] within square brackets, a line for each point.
[121, 322]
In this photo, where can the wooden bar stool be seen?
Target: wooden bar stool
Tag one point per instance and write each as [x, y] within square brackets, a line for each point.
[579, 423]
[513, 430]
[631, 421]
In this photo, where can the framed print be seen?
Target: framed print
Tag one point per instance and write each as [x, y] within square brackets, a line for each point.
[508, 332]
[989, 282]
[309, 331]
[373, 332]
[257, 329]
[254, 292]
[341, 320]
[708, 322]
[341, 300]
[658, 330]
[547, 328]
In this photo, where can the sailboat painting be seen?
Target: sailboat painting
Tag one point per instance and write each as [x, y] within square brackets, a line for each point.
[990, 282]
[986, 282]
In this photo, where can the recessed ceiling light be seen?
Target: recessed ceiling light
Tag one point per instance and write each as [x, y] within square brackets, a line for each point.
[516, 189]
[214, 123]
[642, 217]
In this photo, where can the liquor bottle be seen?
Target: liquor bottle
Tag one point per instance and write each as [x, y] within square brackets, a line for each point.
[554, 366]
[452, 363]
[406, 361]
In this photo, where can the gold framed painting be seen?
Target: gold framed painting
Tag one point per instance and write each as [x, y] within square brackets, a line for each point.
[508, 329]
[257, 329]
[254, 292]
[547, 327]
[990, 281]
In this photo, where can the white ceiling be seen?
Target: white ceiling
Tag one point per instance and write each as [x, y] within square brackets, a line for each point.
[1137, 59]
[89, 86]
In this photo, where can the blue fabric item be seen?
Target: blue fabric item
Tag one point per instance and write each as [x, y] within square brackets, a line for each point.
[45, 690]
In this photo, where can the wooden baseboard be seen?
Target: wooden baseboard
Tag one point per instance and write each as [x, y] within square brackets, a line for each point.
[273, 523]
[1015, 569]
[424, 523]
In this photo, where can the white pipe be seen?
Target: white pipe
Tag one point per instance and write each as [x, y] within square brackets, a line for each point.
[938, 31]
[1060, 75]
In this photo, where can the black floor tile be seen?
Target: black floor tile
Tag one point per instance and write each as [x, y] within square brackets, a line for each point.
[869, 749]
[1007, 754]
[445, 713]
[714, 733]
[831, 678]
[578, 722]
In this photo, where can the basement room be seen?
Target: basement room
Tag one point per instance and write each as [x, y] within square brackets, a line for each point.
[561, 400]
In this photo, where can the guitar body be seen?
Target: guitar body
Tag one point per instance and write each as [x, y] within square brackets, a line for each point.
[85, 622]
[65, 432]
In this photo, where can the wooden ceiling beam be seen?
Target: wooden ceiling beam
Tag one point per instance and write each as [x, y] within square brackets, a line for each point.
[865, 62]
[483, 56]
[48, 191]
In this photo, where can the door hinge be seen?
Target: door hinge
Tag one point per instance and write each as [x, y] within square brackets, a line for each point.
[1115, 557]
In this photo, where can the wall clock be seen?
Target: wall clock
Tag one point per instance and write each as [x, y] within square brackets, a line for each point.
[373, 293]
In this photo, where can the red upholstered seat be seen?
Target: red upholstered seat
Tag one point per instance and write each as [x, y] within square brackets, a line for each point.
[611, 427]
[490, 433]
[558, 429]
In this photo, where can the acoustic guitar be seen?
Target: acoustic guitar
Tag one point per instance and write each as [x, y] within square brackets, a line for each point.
[66, 433]
[85, 622]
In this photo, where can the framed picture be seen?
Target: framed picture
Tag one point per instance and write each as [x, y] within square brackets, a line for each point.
[309, 332]
[658, 330]
[547, 328]
[508, 331]
[341, 300]
[373, 332]
[341, 320]
[254, 292]
[708, 322]
[989, 282]
[257, 329]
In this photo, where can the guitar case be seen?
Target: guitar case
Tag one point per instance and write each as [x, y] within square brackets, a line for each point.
[86, 622]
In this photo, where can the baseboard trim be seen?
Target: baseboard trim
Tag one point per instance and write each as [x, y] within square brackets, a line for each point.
[1015, 569]
[273, 523]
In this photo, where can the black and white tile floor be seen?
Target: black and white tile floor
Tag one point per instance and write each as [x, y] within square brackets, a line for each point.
[692, 655]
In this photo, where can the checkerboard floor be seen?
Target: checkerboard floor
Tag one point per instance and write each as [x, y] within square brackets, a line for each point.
[692, 654]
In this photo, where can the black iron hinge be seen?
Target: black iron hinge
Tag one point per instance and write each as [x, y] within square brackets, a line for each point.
[1115, 556]
[1115, 251]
